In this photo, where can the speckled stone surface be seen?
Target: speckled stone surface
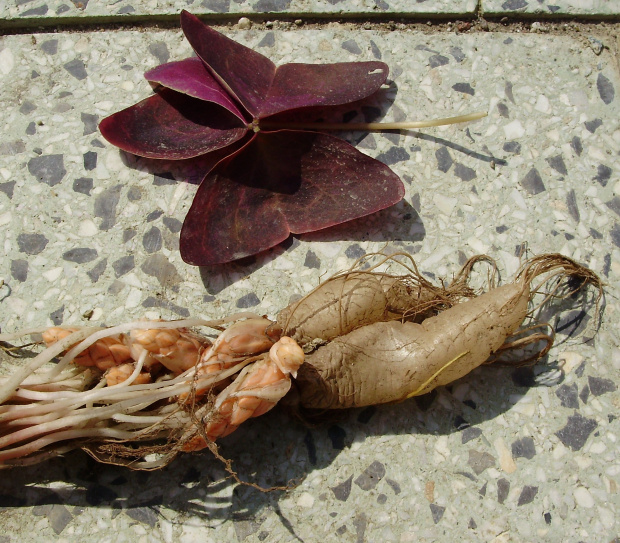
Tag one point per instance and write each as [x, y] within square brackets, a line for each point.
[501, 455]
[549, 8]
[15, 12]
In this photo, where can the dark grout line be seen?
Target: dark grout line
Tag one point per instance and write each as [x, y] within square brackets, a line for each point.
[289, 21]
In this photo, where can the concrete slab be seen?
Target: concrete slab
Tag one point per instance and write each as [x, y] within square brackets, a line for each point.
[90, 234]
[54, 12]
[550, 8]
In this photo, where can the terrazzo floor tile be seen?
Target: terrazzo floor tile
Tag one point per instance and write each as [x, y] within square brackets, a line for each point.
[34, 12]
[567, 8]
[91, 235]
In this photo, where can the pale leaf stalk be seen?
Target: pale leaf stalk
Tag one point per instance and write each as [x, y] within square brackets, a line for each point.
[373, 127]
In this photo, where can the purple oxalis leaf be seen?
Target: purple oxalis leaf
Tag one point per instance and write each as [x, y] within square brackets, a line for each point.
[272, 181]
[172, 126]
[322, 182]
[190, 77]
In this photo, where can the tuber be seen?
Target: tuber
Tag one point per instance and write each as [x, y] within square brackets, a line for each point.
[137, 394]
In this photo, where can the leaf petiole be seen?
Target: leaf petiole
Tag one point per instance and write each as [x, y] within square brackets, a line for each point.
[371, 127]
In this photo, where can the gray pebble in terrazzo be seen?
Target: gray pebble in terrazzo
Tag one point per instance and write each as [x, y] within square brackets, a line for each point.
[57, 316]
[35, 12]
[31, 129]
[457, 53]
[514, 4]
[508, 91]
[533, 183]
[374, 49]
[512, 147]
[472, 524]
[437, 512]
[615, 234]
[503, 488]
[465, 173]
[160, 51]
[248, 300]
[470, 434]
[269, 40]
[444, 160]
[591, 126]
[606, 264]
[382, 5]
[145, 515]
[12, 148]
[524, 448]
[527, 495]
[352, 47]
[573, 208]
[90, 160]
[438, 60]
[600, 386]
[154, 215]
[595, 233]
[50, 47]
[354, 251]
[343, 490]
[568, 396]
[576, 431]
[162, 179]
[105, 206]
[159, 266]
[576, 145]
[164, 304]
[80, 255]
[393, 155]
[31, 244]
[152, 241]
[48, 169]
[245, 528]
[605, 89]
[19, 270]
[76, 68]
[603, 174]
[59, 518]
[465, 88]
[272, 5]
[584, 394]
[393, 485]
[128, 234]
[90, 123]
[479, 461]
[8, 188]
[218, 6]
[614, 204]
[392, 137]
[312, 261]
[123, 265]
[483, 489]
[467, 475]
[503, 110]
[557, 163]
[134, 194]
[95, 273]
[172, 224]
[126, 10]
[371, 476]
